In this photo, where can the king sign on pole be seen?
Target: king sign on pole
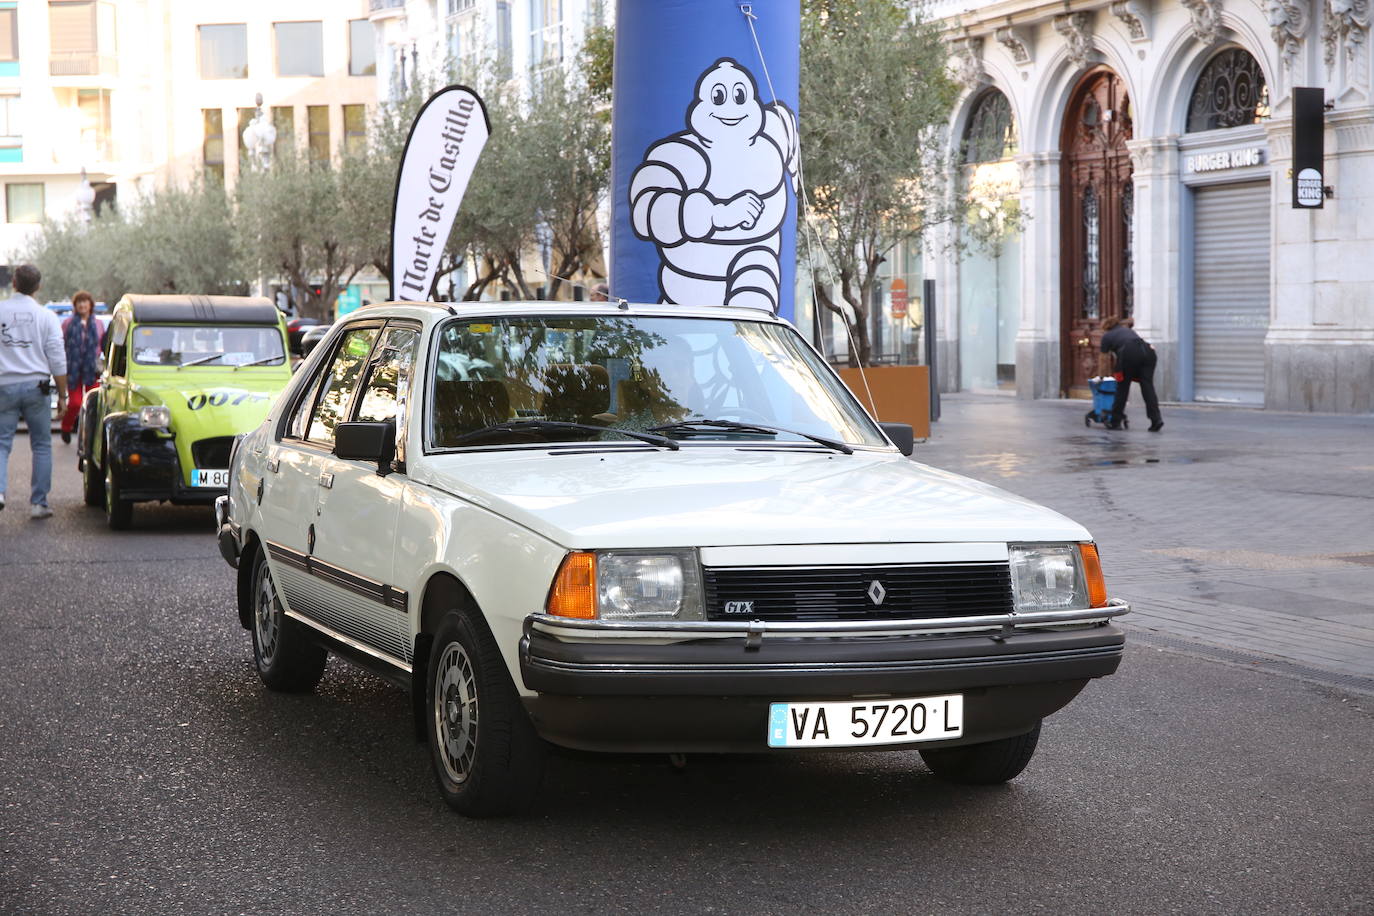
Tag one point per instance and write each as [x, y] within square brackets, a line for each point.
[440, 154]
[704, 157]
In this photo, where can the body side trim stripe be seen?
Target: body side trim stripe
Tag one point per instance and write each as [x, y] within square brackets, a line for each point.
[386, 595]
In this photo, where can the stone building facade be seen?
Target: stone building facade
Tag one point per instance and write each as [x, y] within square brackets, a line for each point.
[1133, 158]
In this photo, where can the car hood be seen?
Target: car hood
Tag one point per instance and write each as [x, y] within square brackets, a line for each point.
[725, 496]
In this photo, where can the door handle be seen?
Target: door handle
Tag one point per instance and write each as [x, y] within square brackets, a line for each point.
[273, 464]
[327, 480]
[1085, 342]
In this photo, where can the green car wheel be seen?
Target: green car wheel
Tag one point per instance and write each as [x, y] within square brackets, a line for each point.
[119, 512]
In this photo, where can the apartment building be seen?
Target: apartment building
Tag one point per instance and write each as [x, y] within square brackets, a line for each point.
[139, 93]
[427, 36]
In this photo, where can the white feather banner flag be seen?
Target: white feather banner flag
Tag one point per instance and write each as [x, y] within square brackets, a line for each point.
[440, 154]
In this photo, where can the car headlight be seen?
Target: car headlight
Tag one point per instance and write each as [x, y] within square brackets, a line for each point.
[159, 416]
[1046, 577]
[1055, 577]
[628, 585]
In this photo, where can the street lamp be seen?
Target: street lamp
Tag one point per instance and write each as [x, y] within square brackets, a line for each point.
[259, 137]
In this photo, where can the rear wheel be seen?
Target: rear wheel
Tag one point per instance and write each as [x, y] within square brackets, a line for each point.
[983, 764]
[487, 758]
[119, 512]
[287, 661]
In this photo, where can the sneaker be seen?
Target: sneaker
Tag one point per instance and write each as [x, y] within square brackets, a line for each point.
[40, 511]
[66, 437]
[2, 500]
[1156, 426]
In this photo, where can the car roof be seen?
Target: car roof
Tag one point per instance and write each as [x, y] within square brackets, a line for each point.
[203, 309]
[436, 310]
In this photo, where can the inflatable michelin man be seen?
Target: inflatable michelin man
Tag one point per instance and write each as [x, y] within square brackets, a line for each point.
[713, 197]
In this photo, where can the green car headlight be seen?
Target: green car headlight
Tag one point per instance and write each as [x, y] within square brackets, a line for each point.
[1047, 577]
[159, 416]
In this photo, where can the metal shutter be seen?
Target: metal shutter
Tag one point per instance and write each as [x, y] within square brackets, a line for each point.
[1230, 291]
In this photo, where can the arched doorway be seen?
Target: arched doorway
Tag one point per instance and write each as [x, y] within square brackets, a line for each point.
[1097, 208]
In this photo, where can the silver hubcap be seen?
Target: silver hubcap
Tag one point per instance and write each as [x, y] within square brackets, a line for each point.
[266, 617]
[455, 711]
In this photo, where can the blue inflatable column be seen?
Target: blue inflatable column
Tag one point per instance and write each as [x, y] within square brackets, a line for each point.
[704, 156]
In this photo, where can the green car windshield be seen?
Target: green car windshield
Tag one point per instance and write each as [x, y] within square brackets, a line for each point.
[524, 379]
[207, 345]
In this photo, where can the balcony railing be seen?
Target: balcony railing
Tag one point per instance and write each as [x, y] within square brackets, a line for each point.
[82, 63]
[377, 6]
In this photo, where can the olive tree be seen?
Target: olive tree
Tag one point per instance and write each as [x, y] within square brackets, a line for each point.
[295, 220]
[875, 98]
[178, 239]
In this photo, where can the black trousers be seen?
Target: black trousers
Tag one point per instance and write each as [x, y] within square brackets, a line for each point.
[1137, 364]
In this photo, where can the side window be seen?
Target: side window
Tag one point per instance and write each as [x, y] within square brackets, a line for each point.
[300, 420]
[388, 384]
[339, 382]
[119, 347]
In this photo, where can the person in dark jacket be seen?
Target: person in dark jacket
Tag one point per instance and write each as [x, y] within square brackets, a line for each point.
[1135, 361]
[83, 335]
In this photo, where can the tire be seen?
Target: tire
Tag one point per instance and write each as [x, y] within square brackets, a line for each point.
[985, 764]
[92, 483]
[287, 661]
[487, 758]
[1089, 417]
[119, 512]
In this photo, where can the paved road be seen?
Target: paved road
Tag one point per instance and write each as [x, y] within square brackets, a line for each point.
[144, 770]
[1244, 534]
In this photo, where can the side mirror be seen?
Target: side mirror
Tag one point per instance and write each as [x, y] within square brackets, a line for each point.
[901, 435]
[367, 442]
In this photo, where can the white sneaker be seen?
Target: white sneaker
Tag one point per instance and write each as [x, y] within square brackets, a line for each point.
[40, 511]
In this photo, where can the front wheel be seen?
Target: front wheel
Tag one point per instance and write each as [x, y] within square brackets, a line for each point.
[487, 758]
[92, 482]
[287, 661]
[119, 512]
[983, 764]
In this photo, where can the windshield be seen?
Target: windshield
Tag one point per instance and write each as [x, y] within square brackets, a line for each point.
[528, 375]
[207, 345]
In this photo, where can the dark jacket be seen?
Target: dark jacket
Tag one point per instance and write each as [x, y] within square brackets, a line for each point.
[83, 340]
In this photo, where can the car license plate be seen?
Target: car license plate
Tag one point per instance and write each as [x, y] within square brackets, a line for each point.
[856, 723]
[201, 477]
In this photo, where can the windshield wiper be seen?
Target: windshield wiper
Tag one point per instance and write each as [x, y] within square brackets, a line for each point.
[515, 426]
[752, 427]
[197, 362]
[257, 362]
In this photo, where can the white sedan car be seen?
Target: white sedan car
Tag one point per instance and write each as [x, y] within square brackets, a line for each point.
[645, 528]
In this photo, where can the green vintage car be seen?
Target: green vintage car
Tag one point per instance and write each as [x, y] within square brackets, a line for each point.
[183, 376]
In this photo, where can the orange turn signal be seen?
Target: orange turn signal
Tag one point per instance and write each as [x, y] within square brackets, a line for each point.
[574, 588]
[135, 459]
[1092, 573]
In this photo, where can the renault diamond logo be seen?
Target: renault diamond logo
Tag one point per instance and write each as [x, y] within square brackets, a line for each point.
[876, 592]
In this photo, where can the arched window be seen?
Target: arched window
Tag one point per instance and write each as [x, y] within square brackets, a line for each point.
[991, 132]
[1230, 93]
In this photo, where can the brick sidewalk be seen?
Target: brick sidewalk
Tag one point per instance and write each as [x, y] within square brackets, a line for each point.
[1244, 535]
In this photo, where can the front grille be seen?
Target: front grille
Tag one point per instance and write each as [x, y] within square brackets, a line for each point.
[848, 592]
[212, 453]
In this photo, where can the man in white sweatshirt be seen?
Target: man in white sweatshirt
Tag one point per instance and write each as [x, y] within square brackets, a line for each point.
[31, 350]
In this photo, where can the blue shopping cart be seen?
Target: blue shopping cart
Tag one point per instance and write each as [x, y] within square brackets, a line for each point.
[1104, 395]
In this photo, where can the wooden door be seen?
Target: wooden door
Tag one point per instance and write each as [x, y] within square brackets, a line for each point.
[1097, 209]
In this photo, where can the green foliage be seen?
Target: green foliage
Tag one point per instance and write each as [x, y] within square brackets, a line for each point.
[598, 62]
[179, 239]
[297, 220]
[875, 98]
